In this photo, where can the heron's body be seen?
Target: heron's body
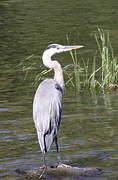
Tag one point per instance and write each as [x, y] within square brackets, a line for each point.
[47, 112]
[47, 105]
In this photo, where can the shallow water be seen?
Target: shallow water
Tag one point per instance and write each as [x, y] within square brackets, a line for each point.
[88, 133]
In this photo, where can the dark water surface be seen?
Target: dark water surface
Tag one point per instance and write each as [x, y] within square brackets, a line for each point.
[89, 130]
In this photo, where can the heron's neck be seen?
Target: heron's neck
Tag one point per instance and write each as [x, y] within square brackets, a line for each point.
[58, 72]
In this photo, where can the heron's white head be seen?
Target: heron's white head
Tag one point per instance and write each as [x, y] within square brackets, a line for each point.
[55, 49]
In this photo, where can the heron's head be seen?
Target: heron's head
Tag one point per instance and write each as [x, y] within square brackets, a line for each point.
[57, 48]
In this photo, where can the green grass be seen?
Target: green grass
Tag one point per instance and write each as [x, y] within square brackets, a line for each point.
[76, 69]
[93, 77]
[90, 79]
[109, 63]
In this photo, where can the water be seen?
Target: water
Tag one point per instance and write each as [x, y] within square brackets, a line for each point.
[88, 134]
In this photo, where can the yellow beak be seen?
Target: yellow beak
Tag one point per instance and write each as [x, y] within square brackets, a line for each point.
[69, 48]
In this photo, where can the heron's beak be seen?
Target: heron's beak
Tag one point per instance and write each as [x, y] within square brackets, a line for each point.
[69, 48]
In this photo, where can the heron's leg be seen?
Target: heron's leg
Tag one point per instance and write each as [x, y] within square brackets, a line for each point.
[44, 151]
[44, 167]
[57, 147]
[44, 161]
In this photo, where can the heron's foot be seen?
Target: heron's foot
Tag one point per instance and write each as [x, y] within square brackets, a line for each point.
[44, 167]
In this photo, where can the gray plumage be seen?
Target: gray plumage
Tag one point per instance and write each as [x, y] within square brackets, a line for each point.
[47, 112]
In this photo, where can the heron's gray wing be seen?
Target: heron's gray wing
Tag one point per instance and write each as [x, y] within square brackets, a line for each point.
[47, 109]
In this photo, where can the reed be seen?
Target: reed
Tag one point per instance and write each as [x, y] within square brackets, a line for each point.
[76, 69]
[31, 71]
[109, 63]
[102, 77]
[90, 78]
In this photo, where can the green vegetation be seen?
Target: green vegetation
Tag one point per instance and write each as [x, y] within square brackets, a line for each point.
[73, 72]
[88, 75]
[109, 63]
[103, 77]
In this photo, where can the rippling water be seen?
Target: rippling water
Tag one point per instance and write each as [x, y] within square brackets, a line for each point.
[88, 133]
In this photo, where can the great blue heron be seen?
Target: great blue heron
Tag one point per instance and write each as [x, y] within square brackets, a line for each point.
[47, 105]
